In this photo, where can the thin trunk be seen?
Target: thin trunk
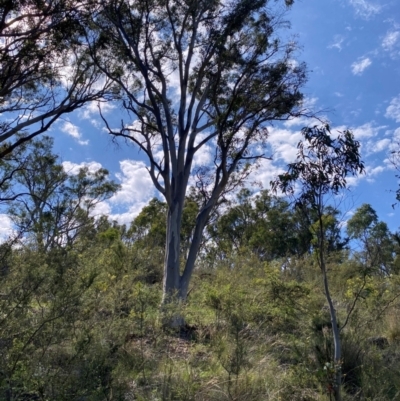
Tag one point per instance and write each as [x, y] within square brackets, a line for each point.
[336, 341]
[337, 384]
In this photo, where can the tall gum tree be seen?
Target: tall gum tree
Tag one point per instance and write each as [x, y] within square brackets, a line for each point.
[196, 75]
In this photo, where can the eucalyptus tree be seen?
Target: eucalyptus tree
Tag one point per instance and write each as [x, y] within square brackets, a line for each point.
[377, 243]
[262, 223]
[44, 69]
[321, 168]
[196, 77]
[51, 204]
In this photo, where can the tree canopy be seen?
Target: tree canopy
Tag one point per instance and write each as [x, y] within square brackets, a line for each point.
[44, 69]
[47, 201]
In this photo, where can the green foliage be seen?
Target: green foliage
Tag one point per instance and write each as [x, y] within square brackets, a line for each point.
[81, 320]
[377, 246]
[48, 202]
[80, 316]
[270, 228]
[84, 322]
[323, 164]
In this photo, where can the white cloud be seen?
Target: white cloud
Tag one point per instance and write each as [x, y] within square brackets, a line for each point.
[135, 182]
[393, 146]
[73, 131]
[378, 146]
[267, 172]
[204, 155]
[358, 67]
[337, 42]
[396, 135]
[372, 172]
[6, 227]
[367, 130]
[91, 111]
[393, 110]
[299, 122]
[101, 209]
[369, 175]
[136, 191]
[390, 40]
[284, 143]
[353, 181]
[309, 106]
[366, 9]
[73, 168]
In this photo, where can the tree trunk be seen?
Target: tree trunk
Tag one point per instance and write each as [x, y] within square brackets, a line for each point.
[175, 285]
[171, 281]
[336, 340]
[194, 250]
[337, 379]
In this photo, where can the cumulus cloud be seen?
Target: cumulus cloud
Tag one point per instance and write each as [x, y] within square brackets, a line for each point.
[365, 131]
[283, 143]
[393, 110]
[359, 66]
[369, 175]
[73, 168]
[135, 182]
[136, 191]
[365, 9]
[102, 209]
[73, 130]
[204, 155]
[396, 135]
[309, 106]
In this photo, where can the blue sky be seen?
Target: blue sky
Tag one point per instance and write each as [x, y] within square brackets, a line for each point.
[352, 49]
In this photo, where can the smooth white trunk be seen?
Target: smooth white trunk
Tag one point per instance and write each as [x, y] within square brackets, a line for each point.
[337, 383]
[176, 285]
[171, 282]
